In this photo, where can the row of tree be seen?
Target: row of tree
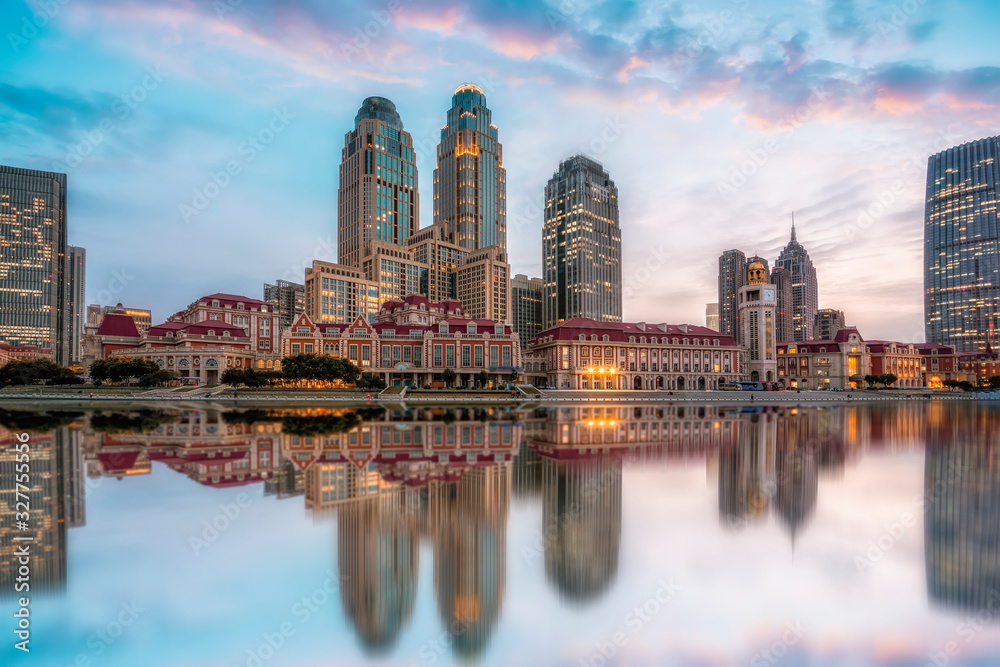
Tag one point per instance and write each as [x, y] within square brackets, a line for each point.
[309, 367]
[33, 371]
[886, 380]
[130, 370]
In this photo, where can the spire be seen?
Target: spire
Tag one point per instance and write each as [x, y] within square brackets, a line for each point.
[793, 226]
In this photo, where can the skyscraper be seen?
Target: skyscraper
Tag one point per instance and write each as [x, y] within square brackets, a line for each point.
[712, 316]
[961, 247]
[526, 307]
[827, 323]
[470, 182]
[805, 292]
[581, 244]
[732, 274]
[782, 281]
[377, 196]
[76, 294]
[33, 299]
[288, 300]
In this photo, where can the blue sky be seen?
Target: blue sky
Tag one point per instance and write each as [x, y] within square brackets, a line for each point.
[716, 119]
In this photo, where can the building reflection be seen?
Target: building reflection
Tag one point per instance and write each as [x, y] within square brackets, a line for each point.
[962, 510]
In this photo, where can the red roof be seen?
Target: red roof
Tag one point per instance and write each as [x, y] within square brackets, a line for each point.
[118, 461]
[620, 332]
[232, 300]
[200, 328]
[117, 323]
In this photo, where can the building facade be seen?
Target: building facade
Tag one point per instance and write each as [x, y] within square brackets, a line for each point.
[76, 295]
[758, 303]
[526, 307]
[782, 281]
[377, 196]
[805, 290]
[828, 322]
[412, 342]
[33, 263]
[581, 244]
[586, 354]
[732, 274]
[961, 246]
[904, 360]
[288, 299]
[839, 363]
[338, 293]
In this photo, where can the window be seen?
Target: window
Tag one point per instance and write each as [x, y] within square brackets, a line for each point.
[296, 348]
[437, 356]
[479, 356]
[443, 327]
[397, 353]
[352, 352]
[466, 355]
[449, 355]
[494, 355]
[307, 348]
[605, 338]
[304, 330]
[471, 329]
[386, 355]
[506, 356]
[499, 330]
[407, 354]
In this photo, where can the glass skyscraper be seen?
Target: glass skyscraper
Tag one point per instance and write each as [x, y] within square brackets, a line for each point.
[961, 246]
[581, 244]
[470, 182]
[76, 299]
[526, 307]
[33, 272]
[805, 291]
[732, 276]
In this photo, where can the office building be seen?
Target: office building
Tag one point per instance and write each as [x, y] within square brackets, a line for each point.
[338, 293]
[526, 306]
[827, 323]
[732, 274]
[805, 292]
[581, 244]
[784, 325]
[377, 194]
[76, 294]
[712, 316]
[287, 299]
[961, 246]
[33, 281]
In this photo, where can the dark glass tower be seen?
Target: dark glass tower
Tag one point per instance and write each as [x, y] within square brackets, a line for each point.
[470, 182]
[33, 272]
[805, 292]
[581, 244]
[782, 281]
[732, 276]
[961, 246]
[526, 307]
[377, 198]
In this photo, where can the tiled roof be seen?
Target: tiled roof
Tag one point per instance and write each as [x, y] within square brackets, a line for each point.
[620, 332]
[232, 299]
[117, 323]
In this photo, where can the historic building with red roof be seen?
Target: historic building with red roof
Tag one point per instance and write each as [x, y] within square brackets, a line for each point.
[586, 354]
[837, 363]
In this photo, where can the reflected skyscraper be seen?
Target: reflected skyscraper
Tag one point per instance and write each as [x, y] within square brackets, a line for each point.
[962, 513]
[378, 560]
[468, 522]
[582, 525]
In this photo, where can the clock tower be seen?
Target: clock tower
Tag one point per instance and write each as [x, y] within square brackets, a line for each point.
[758, 304]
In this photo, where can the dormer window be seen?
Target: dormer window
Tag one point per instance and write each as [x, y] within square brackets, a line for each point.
[675, 341]
[631, 339]
[499, 330]
[225, 334]
[593, 337]
[215, 303]
[304, 330]
[642, 340]
[696, 341]
[443, 328]
[471, 329]
[583, 337]
[211, 332]
[239, 306]
[605, 338]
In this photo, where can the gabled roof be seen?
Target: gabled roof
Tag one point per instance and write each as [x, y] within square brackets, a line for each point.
[117, 323]
[232, 299]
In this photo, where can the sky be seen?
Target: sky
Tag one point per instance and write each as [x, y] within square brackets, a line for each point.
[716, 119]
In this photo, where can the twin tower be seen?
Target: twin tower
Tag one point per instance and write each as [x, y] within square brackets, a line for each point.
[463, 255]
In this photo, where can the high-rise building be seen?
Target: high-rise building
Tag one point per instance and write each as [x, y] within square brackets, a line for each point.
[961, 247]
[470, 182]
[76, 294]
[732, 274]
[805, 292]
[782, 281]
[712, 316]
[827, 323]
[526, 307]
[33, 299]
[758, 300]
[338, 293]
[581, 244]
[377, 196]
[288, 300]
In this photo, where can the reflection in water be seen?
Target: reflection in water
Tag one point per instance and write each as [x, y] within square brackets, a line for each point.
[962, 511]
[392, 479]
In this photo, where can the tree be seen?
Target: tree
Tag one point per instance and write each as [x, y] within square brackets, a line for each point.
[119, 369]
[951, 384]
[31, 371]
[887, 379]
[870, 380]
[448, 377]
[993, 382]
[965, 385]
[483, 379]
[157, 379]
[370, 381]
[234, 377]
